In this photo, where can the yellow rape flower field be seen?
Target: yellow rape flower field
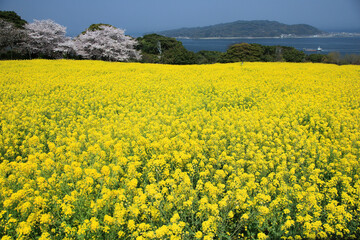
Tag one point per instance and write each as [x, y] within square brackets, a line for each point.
[100, 150]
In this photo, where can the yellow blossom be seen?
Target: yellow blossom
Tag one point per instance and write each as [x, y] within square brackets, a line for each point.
[94, 224]
[198, 235]
[262, 236]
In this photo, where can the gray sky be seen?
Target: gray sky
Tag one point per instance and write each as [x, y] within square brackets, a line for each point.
[143, 16]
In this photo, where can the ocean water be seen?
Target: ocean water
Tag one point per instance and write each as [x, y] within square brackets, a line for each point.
[346, 45]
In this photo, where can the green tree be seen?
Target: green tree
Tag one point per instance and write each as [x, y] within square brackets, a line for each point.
[150, 43]
[178, 55]
[270, 54]
[12, 17]
[243, 52]
[315, 58]
[208, 57]
[160, 49]
[291, 54]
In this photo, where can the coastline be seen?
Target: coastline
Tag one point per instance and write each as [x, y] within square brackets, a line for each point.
[343, 45]
[333, 35]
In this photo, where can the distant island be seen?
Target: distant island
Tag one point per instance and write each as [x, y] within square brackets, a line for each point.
[249, 29]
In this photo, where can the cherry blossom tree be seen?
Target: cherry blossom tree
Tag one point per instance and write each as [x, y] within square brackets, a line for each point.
[47, 38]
[106, 42]
[10, 37]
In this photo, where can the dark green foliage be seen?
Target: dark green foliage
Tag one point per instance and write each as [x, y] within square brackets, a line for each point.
[208, 57]
[159, 49]
[11, 16]
[96, 27]
[291, 54]
[178, 55]
[243, 52]
[150, 43]
[271, 54]
[244, 29]
[315, 58]
[149, 58]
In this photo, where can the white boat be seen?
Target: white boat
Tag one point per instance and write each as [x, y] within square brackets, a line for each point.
[319, 49]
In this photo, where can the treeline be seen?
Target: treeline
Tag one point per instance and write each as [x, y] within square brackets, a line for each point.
[159, 49]
[258, 53]
[47, 39]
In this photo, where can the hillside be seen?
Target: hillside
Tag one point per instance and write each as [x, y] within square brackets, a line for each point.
[259, 28]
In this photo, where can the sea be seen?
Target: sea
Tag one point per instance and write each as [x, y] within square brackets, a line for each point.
[342, 45]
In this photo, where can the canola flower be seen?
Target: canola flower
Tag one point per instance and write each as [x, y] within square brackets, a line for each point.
[99, 150]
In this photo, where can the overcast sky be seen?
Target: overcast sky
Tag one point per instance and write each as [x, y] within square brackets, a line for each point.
[143, 16]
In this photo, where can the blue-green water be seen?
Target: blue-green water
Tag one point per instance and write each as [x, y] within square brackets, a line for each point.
[346, 45]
